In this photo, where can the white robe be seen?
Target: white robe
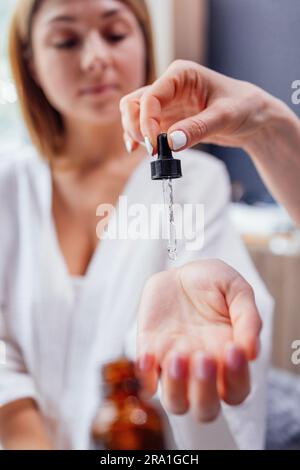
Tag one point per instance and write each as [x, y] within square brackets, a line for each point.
[58, 333]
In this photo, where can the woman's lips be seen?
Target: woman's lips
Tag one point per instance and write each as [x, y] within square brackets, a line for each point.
[98, 90]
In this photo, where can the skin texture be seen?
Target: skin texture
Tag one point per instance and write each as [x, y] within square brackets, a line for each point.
[212, 108]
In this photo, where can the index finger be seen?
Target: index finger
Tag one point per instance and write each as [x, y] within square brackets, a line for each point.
[130, 114]
[158, 96]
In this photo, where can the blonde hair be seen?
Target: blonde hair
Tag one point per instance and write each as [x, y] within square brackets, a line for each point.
[44, 123]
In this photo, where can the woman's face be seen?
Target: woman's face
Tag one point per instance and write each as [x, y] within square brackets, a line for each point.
[87, 54]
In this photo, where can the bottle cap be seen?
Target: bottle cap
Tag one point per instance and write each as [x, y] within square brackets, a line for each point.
[166, 166]
[120, 375]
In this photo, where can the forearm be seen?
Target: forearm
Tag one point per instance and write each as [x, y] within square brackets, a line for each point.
[275, 150]
[22, 427]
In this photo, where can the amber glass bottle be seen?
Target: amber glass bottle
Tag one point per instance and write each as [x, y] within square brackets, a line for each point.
[125, 421]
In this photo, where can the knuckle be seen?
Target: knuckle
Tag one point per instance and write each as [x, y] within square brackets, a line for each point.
[197, 128]
[181, 64]
[177, 64]
[242, 287]
[254, 92]
[226, 113]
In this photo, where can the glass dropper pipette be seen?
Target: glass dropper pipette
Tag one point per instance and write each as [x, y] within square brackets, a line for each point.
[167, 168]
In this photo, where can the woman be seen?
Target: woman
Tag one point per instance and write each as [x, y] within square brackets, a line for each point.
[68, 300]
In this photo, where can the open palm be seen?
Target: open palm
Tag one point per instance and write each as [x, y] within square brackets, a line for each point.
[198, 318]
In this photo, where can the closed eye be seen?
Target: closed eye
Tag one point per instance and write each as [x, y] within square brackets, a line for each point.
[116, 37]
[71, 43]
[67, 44]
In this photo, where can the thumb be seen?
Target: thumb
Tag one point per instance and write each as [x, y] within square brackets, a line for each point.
[246, 322]
[193, 130]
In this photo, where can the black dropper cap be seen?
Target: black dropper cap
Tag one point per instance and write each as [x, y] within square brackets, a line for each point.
[165, 166]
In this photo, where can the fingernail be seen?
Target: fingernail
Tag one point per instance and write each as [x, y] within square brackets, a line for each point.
[129, 145]
[179, 140]
[177, 367]
[149, 146]
[204, 368]
[145, 363]
[234, 358]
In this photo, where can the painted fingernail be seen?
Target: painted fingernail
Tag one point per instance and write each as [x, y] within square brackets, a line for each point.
[204, 368]
[129, 145]
[178, 139]
[235, 358]
[146, 362]
[177, 367]
[149, 146]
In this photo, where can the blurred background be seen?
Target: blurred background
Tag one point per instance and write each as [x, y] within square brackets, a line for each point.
[252, 40]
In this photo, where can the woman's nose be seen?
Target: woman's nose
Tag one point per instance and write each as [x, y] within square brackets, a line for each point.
[96, 52]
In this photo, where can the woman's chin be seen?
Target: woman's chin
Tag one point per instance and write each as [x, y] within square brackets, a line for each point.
[101, 117]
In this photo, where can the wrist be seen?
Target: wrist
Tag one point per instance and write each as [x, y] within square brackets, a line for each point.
[273, 123]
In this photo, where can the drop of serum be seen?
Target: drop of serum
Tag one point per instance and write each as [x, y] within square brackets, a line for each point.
[167, 168]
